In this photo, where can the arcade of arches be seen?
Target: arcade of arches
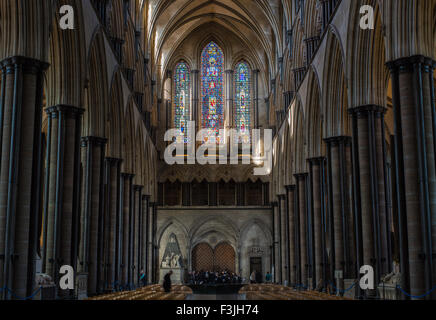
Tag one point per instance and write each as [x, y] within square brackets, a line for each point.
[83, 113]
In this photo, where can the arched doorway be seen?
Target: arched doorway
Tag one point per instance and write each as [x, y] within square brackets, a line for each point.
[207, 259]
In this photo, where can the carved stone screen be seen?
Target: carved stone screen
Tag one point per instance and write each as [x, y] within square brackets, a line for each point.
[200, 193]
[227, 193]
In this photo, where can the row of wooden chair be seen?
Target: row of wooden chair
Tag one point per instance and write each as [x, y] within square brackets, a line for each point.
[277, 292]
[152, 292]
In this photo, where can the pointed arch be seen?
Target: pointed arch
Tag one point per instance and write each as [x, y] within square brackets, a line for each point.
[314, 124]
[97, 100]
[335, 95]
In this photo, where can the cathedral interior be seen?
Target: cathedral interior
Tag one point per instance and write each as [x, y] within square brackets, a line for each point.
[90, 88]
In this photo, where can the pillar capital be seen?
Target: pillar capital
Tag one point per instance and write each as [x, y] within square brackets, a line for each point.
[274, 204]
[281, 197]
[229, 71]
[146, 197]
[405, 65]
[137, 187]
[334, 141]
[301, 176]
[366, 110]
[71, 112]
[316, 160]
[290, 188]
[29, 65]
[93, 140]
[113, 161]
[127, 176]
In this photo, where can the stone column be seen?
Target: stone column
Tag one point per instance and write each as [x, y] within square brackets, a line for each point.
[341, 219]
[276, 245]
[195, 116]
[144, 233]
[256, 97]
[291, 211]
[136, 223]
[229, 100]
[302, 230]
[155, 253]
[20, 163]
[151, 249]
[113, 172]
[126, 243]
[284, 240]
[415, 125]
[317, 178]
[93, 149]
[368, 135]
[62, 208]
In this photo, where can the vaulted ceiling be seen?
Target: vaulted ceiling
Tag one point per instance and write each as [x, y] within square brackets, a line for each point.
[255, 22]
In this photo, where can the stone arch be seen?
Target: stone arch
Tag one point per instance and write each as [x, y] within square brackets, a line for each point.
[298, 45]
[314, 120]
[128, 150]
[66, 76]
[412, 20]
[129, 47]
[114, 122]
[335, 95]
[115, 19]
[94, 119]
[299, 137]
[366, 60]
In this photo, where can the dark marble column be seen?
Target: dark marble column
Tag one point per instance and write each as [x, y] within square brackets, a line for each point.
[341, 218]
[62, 206]
[292, 211]
[136, 223]
[284, 242]
[154, 253]
[144, 234]
[415, 127]
[276, 245]
[93, 150]
[20, 163]
[302, 230]
[112, 182]
[150, 243]
[317, 166]
[126, 242]
[368, 137]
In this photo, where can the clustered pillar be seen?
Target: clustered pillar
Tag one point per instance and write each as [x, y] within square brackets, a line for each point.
[61, 210]
[414, 152]
[20, 171]
[301, 231]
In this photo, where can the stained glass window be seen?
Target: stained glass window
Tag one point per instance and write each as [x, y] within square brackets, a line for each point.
[212, 83]
[182, 99]
[242, 84]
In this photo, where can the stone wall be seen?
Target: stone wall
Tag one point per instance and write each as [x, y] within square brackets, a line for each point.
[248, 230]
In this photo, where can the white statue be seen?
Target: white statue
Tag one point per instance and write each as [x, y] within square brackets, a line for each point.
[166, 262]
[175, 263]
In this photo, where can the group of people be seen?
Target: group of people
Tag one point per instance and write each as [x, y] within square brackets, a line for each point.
[210, 277]
[256, 277]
